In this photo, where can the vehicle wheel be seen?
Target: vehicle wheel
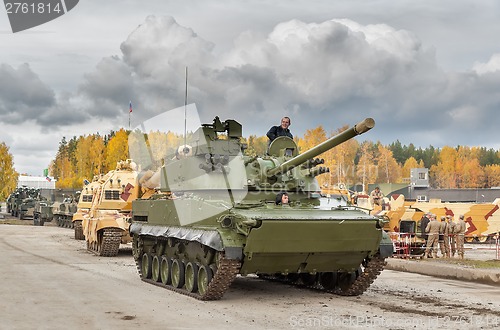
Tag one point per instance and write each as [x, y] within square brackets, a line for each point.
[345, 280]
[204, 278]
[328, 280]
[146, 265]
[308, 279]
[191, 276]
[177, 273]
[165, 270]
[482, 239]
[292, 277]
[469, 239]
[155, 269]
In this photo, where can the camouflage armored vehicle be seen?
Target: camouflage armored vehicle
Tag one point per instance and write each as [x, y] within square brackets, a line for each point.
[106, 225]
[217, 214]
[26, 207]
[63, 211]
[42, 212]
[16, 199]
[83, 206]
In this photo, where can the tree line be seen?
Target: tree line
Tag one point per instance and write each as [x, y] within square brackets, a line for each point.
[350, 163]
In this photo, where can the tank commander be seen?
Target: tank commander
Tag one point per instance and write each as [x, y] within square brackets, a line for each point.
[376, 196]
[432, 242]
[460, 231]
[282, 199]
[281, 130]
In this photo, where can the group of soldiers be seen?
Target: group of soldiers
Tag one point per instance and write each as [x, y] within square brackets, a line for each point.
[449, 235]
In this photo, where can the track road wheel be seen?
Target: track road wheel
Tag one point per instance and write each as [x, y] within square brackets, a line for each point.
[146, 265]
[204, 277]
[345, 280]
[191, 276]
[155, 269]
[469, 239]
[482, 239]
[177, 273]
[328, 280]
[308, 279]
[165, 270]
[292, 277]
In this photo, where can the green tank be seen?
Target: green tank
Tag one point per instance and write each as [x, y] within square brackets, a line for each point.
[63, 211]
[216, 215]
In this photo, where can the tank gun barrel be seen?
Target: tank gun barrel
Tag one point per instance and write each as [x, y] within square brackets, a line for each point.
[332, 142]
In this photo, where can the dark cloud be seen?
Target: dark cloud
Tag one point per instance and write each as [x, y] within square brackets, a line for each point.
[331, 73]
[23, 96]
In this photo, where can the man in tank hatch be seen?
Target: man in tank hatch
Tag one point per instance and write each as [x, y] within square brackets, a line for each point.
[281, 130]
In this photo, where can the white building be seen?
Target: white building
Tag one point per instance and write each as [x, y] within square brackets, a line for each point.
[36, 182]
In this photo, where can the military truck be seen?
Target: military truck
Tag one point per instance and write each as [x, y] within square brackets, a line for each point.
[218, 213]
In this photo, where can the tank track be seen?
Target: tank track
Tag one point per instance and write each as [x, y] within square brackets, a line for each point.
[78, 230]
[110, 243]
[372, 269]
[223, 276]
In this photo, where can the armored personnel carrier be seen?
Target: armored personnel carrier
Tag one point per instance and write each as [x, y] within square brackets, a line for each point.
[63, 211]
[16, 198]
[42, 212]
[106, 224]
[83, 206]
[218, 214]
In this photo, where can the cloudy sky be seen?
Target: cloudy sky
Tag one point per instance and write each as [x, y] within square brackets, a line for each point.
[427, 71]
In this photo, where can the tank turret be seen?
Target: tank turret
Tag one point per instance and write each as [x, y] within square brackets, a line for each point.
[216, 215]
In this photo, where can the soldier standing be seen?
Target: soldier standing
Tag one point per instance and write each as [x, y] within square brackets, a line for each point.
[432, 242]
[460, 230]
[451, 233]
[423, 224]
[446, 237]
[442, 245]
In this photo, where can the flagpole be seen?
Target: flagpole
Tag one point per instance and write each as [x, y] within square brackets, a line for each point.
[129, 114]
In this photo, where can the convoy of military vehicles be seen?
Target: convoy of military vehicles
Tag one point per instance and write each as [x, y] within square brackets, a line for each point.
[210, 213]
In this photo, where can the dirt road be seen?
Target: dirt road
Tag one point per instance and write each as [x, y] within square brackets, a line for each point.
[49, 281]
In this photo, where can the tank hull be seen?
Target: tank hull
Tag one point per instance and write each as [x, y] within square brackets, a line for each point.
[279, 240]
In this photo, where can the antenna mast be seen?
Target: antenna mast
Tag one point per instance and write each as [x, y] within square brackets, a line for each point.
[185, 112]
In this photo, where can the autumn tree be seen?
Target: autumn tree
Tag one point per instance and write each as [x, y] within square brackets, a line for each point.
[257, 145]
[388, 169]
[312, 138]
[116, 149]
[366, 170]
[408, 165]
[473, 175]
[444, 173]
[8, 175]
[341, 159]
[492, 175]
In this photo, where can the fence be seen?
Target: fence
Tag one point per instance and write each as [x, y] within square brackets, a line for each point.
[408, 245]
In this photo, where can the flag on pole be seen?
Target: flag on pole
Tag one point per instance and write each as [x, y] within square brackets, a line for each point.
[130, 107]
